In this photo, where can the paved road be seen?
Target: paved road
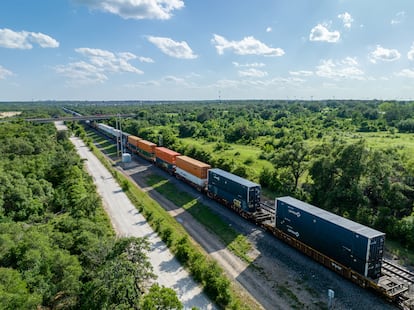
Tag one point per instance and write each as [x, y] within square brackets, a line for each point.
[128, 222]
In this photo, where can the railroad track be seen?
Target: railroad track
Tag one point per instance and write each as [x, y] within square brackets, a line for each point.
[398, 272]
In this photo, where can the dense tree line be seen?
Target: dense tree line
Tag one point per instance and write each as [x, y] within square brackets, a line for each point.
[308, 145]
[57, 249]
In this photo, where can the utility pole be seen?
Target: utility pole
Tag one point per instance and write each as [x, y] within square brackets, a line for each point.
[120, 135]
[116, 137]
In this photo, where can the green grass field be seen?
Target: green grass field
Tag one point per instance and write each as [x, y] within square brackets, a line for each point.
[404, 142]
[247, 155]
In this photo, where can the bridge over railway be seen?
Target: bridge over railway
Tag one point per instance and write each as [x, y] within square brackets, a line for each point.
[78, 118]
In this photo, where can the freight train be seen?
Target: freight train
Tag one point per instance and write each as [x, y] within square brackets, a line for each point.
[353, 250]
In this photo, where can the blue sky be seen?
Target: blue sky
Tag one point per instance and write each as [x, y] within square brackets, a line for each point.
[206, 49]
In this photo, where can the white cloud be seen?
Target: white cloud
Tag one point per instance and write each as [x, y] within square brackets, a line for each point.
[269, 29]
[301, 73]
[146, 59]
[25, 39]
[4, 73]
[249, 65]
[247, 46]
[43, 40]
[321, 33]
[410, 53]
[347, 68]
[384, 54]
[408, 73]
[136, 9]
[81, 73]
[97, 67]
[252, 72]
[173, 48]
[346, 19]
[127, 55]
[399, 18]
[108, 61]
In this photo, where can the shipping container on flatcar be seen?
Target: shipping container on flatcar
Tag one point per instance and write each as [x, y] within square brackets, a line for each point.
[146, 149]
[133, 143]
[165, 158]
[106, 129]
[349, 243]
[234, 190]
[192, 170]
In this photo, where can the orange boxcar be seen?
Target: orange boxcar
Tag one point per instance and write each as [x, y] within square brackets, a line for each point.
[146, 146]
[193, 166]
[133, 140]
[166, 155]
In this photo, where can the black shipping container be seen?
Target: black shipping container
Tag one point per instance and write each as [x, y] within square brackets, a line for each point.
[234, 189]
[349, 243]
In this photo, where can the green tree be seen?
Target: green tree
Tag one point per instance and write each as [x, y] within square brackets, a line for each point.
[294, 157]
[14, 293]
[161, 298]
[122, 280]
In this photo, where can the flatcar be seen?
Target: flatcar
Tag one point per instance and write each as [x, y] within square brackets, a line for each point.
[349, 243]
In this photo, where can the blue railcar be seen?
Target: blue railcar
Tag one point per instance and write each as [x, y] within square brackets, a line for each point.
[349, 243]
[234, 190]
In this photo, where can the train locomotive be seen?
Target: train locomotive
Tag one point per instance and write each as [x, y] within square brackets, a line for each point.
[353, 250]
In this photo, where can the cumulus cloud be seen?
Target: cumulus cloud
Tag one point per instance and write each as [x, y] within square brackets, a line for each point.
[408, 73]
[4, 73]
[136, 9]
[247, 46]
[410, 53]
[173, 48]
[347, 68]
[346, 19]
[99, 63]
[252, 72]
[81, 73]
[25, 39]
[321, 33]
[398, 19]
[108, 61]
[301, 73]
[384, 54]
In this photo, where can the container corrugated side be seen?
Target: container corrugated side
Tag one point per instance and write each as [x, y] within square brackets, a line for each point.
[340, 243]
[166, 155]
[146, 146]
[133, 140]
[241, 192]
[190, 177]
[193, 166]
